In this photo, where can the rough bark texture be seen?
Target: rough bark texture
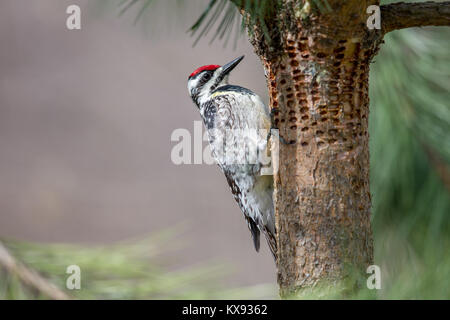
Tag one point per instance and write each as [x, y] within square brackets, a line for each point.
[322, 197]
[406, 15]
[317, 67]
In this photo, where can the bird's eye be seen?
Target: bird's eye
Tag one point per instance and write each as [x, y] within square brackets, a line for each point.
[207, 76]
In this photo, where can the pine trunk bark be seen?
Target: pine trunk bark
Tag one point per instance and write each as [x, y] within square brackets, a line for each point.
[322, 195]
[317, 68]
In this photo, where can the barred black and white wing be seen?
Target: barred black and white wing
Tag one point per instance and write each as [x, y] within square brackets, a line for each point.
[237, 122]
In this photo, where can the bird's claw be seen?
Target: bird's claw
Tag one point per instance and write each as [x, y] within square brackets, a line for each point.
[274, 128]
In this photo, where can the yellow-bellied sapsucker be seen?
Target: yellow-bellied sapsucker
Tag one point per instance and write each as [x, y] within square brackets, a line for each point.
[236, 120]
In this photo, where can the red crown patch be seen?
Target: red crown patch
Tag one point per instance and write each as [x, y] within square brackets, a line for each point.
[208, 67]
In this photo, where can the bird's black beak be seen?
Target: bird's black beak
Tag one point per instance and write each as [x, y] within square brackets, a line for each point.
[226, 69]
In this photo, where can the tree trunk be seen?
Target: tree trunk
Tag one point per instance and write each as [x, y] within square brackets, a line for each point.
[316, 55]
[318, 85]
[322, 195]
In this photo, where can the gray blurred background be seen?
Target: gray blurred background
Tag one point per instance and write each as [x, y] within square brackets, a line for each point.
[85, 123]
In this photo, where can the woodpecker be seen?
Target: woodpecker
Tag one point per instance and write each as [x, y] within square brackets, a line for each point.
[233, 116]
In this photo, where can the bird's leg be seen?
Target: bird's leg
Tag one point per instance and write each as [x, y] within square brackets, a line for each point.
[274, 128]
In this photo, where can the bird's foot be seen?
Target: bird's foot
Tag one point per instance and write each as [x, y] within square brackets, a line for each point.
[273, 129]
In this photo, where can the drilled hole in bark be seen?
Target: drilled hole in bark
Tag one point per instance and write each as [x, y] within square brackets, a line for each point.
[334, 100]
[321, 55]
[349, 116]
[275, 103]
[342, 41]
[332, 141]
[314, 124]
[293, 119]
[303, 110]
[273, 83]
[299, 233]
[294, 63]
[305, 56]
[290, 95]
[337, 64]
[290, 103]
[293, 127]
[332, 132]
[340, 49]
[304, 144]
[319, 132]
[305, 117]
[323, 113]
[340, 56]
[320, 144]
[324, 119]
[292, 54]
[291, 48]
[291, 113]
[283, 82]
[296, 71]
[305, 129]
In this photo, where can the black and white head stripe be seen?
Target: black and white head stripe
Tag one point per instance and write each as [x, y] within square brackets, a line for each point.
[206, 79]
[197, 84]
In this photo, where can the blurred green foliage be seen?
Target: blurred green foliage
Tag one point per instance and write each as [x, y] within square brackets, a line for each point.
[410, 160]
[126, 270]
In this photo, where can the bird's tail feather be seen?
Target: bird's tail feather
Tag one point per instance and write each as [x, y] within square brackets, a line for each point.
[272, 242]
[255, 233]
